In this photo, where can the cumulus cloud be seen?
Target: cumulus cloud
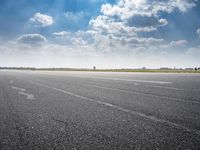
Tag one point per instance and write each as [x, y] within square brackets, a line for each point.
[113, 37]
[144, 12]
[115, 28]
[42, 19]
[184, 5]
[198, 31]
[128, 8]
[32, 39]
[55, 55]
[119, 26]
[83, 54]
[163, 22]
[122, 23]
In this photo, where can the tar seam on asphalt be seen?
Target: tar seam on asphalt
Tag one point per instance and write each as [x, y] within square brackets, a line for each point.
[153, 118]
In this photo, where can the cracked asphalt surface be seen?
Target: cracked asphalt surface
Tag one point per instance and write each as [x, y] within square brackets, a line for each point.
[96, 110]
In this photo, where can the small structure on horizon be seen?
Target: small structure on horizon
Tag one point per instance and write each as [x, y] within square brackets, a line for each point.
[189, 68]
[165, 68]
[94, 68]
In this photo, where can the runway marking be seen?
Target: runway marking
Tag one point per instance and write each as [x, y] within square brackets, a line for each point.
[166, 87]
[172, 88]
[17, 88]
[146, 81]
[132, 80]
[148, 94]
[153, 118]
[155, 86]
[28, 96]
[22, 91]
[142, 81]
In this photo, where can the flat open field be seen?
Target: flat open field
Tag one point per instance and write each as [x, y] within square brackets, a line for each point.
[99, 110]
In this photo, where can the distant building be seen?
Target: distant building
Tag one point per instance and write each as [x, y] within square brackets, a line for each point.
[189, 68]
[165, 68]
[94, 68]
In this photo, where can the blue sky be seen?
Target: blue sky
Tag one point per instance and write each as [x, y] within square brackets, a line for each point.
[105, 33]
[16, 14]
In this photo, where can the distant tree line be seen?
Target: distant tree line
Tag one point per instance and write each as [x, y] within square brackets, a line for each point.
[17, 68]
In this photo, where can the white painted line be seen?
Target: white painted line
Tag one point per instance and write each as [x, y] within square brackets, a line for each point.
[153, 118]
[170, 88]
[17, 88]
[28, 96]
[166, 87]
[132, 80]
[22, 91]
[147, 94]
[154, 86]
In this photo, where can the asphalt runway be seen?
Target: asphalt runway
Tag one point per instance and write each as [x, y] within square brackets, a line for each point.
[96, 110]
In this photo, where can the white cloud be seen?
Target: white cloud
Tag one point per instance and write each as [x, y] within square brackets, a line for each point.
[103, 25]
[184, 5]
[143, 52]
[116, 23]
[194, 51]
[78, 41]
[61, 34]
[111, 31]
[174, 44]
[198, 31]
[42, 19]
[112, 38]
[163, 22]
[178, 43]
[32, 39]
[128, 8]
